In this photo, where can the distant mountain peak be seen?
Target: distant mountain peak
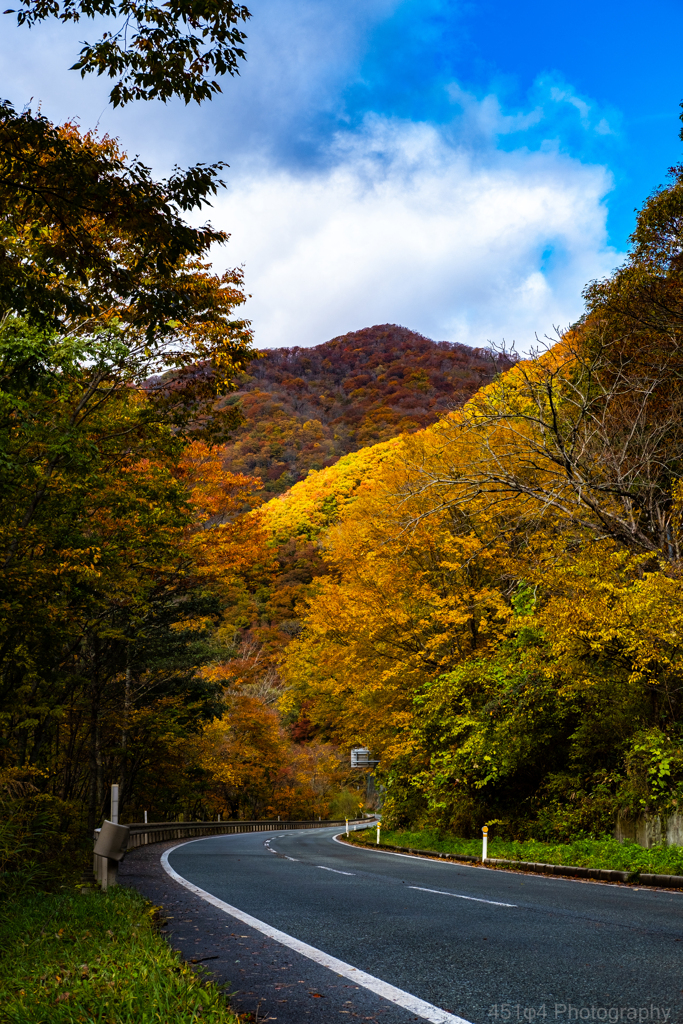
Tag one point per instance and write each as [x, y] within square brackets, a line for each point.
[306, 407]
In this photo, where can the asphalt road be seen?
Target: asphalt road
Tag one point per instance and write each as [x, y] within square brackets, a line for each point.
[484, 945]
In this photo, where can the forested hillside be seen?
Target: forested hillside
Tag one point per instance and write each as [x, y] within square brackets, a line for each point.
[501, 620]
[304, 407]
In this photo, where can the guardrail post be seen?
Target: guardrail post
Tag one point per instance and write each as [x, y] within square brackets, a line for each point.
[96, 861]
[110, 845]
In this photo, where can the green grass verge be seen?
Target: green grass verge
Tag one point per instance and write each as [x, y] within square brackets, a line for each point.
[604, 853]
[96, 959]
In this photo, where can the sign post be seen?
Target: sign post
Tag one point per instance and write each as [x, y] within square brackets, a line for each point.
[485, 843]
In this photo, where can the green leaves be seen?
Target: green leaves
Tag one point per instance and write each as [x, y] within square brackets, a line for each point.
[115, 341]
[655, 767]
[101, 604]
[84, 232]
[155, 51]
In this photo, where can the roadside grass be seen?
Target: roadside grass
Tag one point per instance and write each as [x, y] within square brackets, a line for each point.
[606, 853]
[97, 959]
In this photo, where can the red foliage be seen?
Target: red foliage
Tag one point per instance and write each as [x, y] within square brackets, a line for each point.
[350, 392]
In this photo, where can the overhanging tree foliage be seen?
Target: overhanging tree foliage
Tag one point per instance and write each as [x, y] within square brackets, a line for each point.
[115, 341]
[86, 233]
[156, 51]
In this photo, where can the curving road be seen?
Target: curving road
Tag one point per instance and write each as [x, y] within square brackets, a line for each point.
[314, 930]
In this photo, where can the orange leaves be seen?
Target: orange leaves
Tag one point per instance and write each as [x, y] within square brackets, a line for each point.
[245, 747]
[218, 496]
[399, 606]
[253, 765]
[226, 542]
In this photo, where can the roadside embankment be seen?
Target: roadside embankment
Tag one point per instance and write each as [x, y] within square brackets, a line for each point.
[605, 860]
[97, 958]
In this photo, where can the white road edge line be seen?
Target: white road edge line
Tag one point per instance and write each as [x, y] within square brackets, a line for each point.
[381, 988]
[323, 868]
[507, 871]
[475, 899]
[392, 853]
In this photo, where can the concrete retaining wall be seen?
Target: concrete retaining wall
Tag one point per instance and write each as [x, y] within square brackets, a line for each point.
[650, 829]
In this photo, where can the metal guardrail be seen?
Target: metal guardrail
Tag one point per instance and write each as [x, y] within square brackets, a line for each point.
[105, 867]
[142, 834]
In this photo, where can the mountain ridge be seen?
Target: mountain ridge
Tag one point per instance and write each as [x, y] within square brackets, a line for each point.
[304, 408]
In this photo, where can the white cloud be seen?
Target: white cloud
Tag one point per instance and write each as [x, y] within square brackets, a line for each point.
[407, 227]
[485, 116]
[301, 55]
[448, 229]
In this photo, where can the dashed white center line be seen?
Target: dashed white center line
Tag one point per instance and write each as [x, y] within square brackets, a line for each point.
[457, 896]
[413, 1004]
[323, 868]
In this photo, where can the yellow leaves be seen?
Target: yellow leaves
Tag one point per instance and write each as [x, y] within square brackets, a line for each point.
[315, 503]
[80, 563]
[432, 574]
[601, 602]
[400, 606]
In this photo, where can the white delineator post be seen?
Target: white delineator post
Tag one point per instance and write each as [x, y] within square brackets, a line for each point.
[347, 826]
[484, 843]
[378, 828]
[145, 817]
[115, 804]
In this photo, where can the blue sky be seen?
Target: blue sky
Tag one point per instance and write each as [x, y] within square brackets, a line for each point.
[463, 168]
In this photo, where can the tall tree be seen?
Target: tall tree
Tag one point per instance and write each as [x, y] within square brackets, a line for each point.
[124, 342]
[102, 601]
[88, 236]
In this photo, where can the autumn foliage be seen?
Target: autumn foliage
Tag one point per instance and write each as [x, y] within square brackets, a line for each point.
[500, 622]
[470, 564]
[306, 407]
